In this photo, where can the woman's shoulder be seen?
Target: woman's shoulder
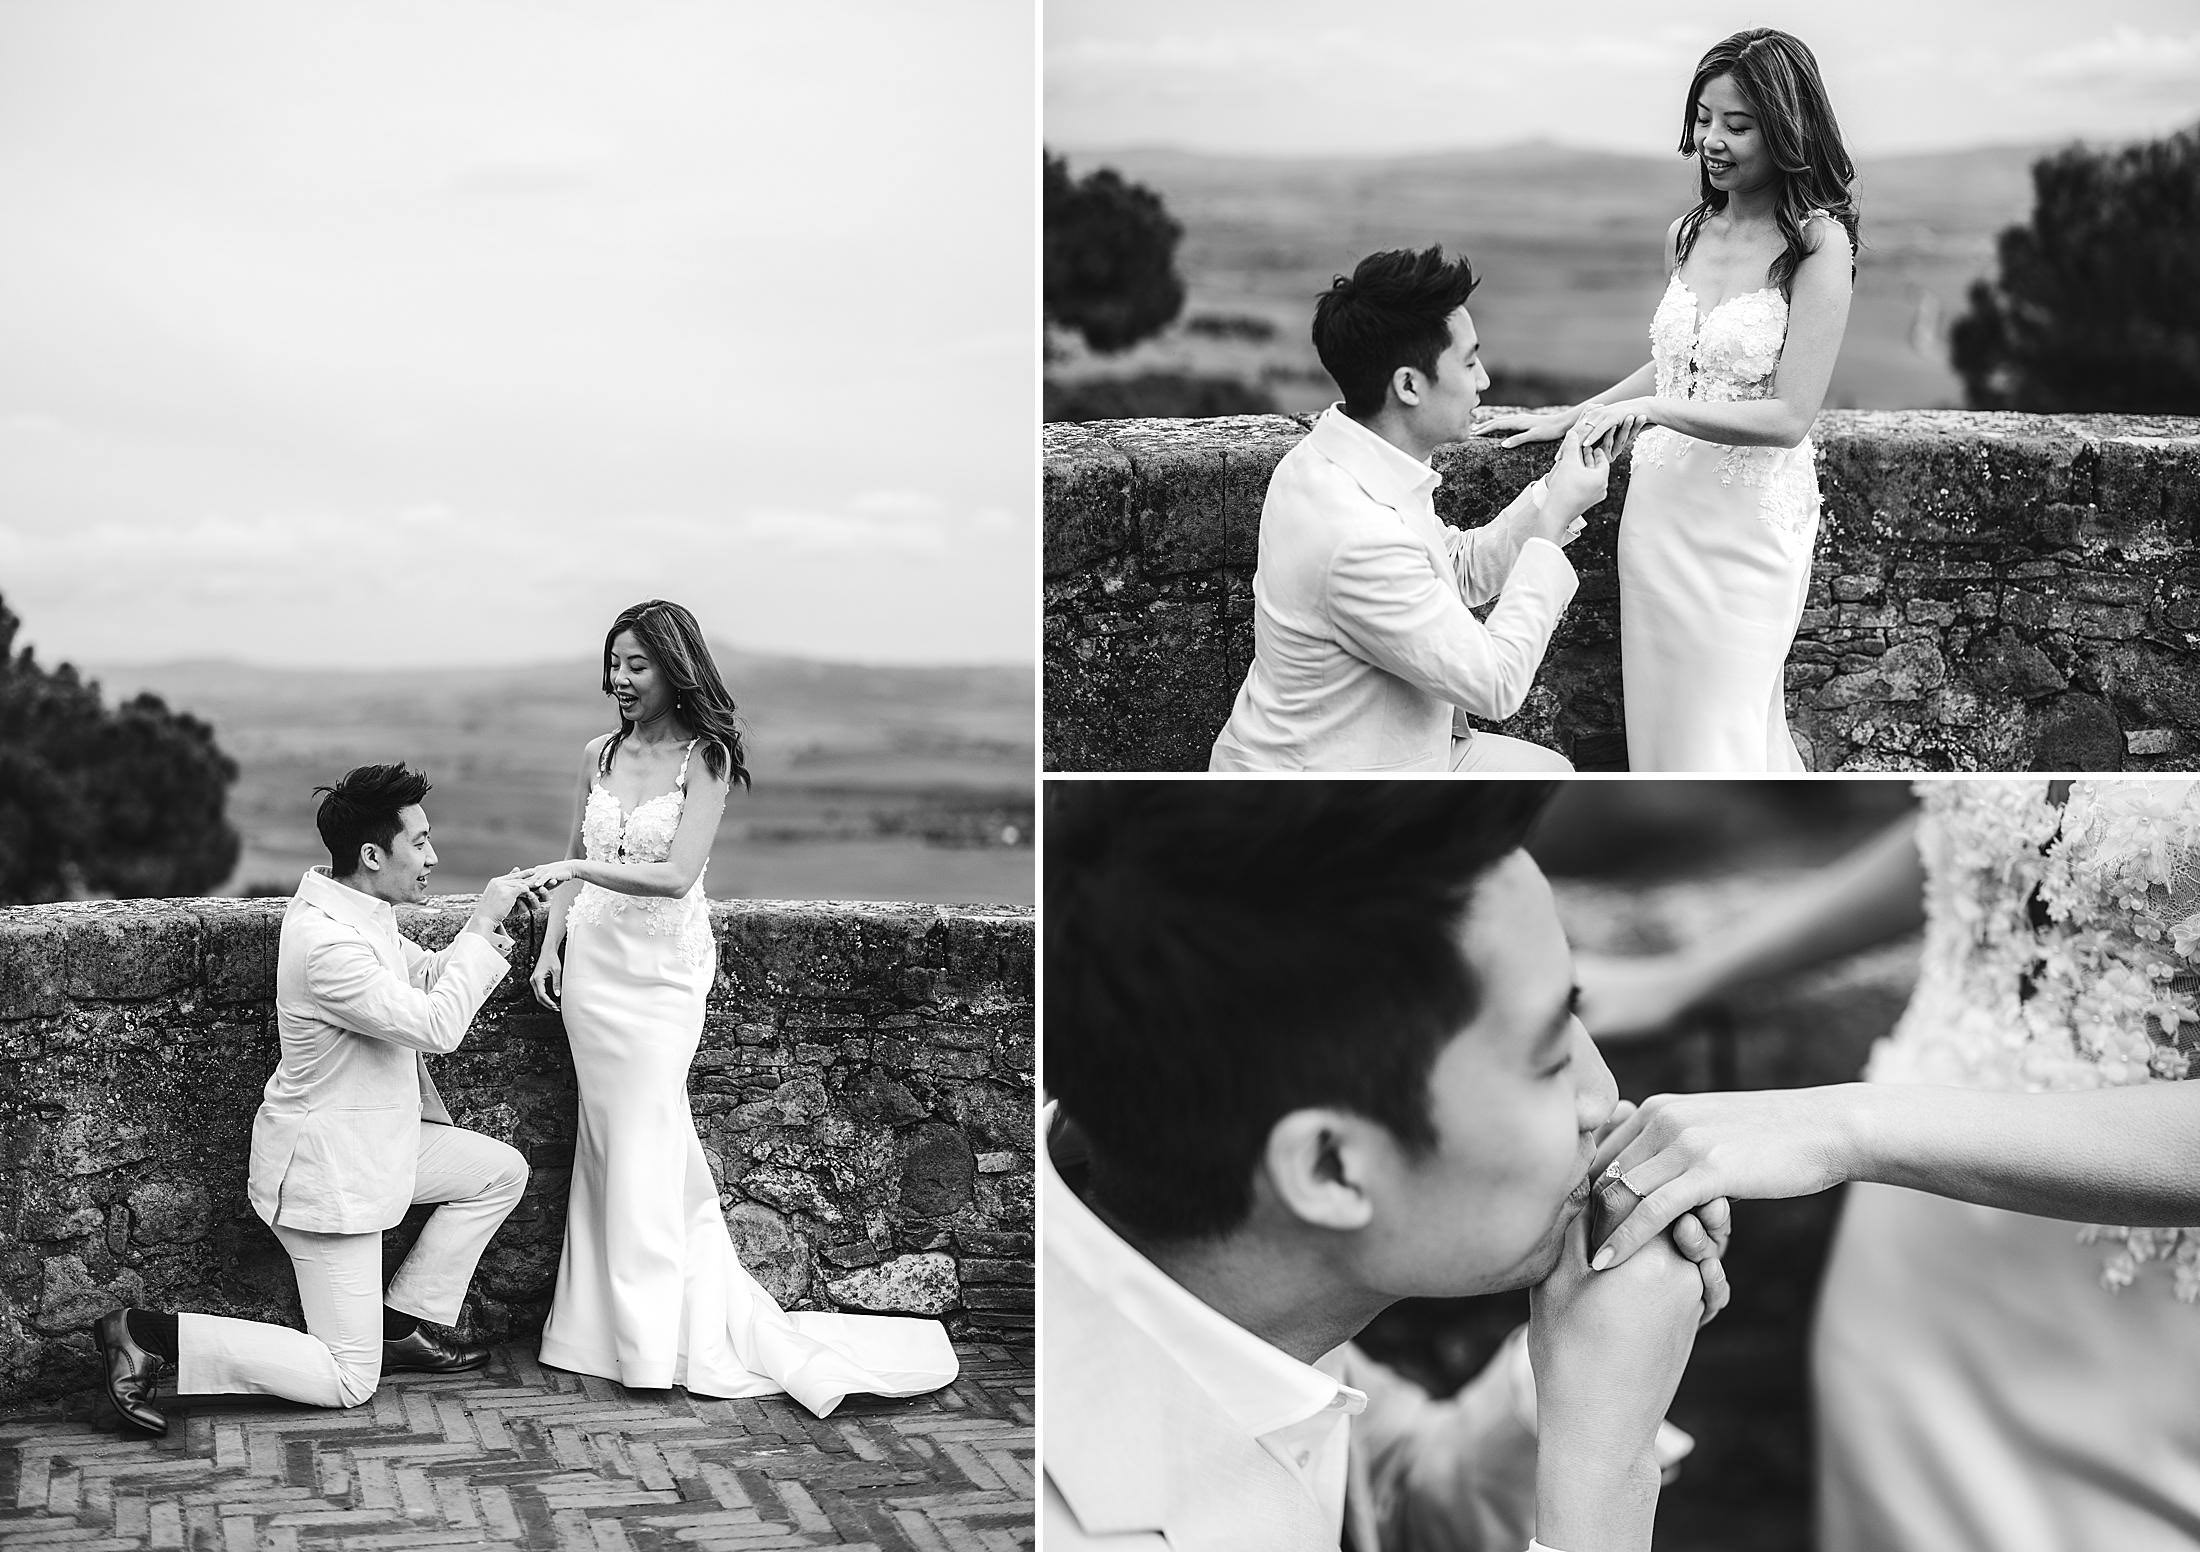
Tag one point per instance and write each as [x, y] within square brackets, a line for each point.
[1820, 228]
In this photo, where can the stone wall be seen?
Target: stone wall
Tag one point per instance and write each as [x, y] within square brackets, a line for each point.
[863, 1090]
[1991, 592]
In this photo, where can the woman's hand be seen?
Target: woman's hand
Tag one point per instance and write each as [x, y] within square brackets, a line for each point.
[1700, 1236]
[550, 875]
[1625, 999]
[1684, 1151]
[1530, 426]
[548, 979]
[1614, 425]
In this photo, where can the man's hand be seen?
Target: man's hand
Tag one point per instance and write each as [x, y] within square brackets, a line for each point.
[1577, 482]
[1700, 1236]
[1608, 1357]
[498, 896]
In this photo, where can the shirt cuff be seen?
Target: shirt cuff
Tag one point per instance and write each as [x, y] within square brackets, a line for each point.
[1537, 493]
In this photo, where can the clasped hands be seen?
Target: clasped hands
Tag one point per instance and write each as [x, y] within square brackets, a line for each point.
[1609, 429]
[1700, 1234]
[502, 893]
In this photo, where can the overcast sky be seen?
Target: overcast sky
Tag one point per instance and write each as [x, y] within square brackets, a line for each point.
[384, 333]
[1410, 75]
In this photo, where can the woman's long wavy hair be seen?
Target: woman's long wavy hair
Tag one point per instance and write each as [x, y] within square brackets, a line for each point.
[1777, 75]
[674, 642]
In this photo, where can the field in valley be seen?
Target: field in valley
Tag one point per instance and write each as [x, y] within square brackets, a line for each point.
[1567, 245]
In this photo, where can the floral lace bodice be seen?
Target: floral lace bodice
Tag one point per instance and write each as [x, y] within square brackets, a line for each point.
[2062, 951]
[609, 833]
[1726, 357]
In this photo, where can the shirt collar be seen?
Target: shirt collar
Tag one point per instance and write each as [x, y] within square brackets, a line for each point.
[355, 906]
[1386, 472]
[1261, 1387]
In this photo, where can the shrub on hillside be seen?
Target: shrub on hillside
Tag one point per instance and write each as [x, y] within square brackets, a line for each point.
[124, 801]
[2097, 302]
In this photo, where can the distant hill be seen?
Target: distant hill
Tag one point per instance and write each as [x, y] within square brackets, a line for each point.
[1567, 244]
[870, 783]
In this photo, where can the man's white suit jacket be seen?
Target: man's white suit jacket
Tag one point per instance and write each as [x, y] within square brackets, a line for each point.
[337, 1136]
[1364, 636]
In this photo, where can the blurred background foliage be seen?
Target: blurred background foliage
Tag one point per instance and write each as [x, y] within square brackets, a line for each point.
[2096, 305]
[127, 800]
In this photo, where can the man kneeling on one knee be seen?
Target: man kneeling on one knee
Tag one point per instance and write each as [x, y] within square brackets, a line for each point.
[1366, 651]
[351, 1132]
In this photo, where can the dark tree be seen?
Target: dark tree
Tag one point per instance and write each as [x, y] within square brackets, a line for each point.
[2097, 306]
[128, 801]
[1110, 258]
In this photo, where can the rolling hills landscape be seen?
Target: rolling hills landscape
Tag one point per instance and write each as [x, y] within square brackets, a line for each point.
[1567, 245]
[869, 783]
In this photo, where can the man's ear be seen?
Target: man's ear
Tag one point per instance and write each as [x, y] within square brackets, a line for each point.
[1405, 386]
[370, 858]
[1318, 1163]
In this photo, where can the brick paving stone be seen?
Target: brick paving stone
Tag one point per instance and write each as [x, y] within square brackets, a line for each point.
[519, 1458]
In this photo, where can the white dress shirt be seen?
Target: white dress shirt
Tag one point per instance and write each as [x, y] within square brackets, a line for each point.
[1297, 1411]
[1364, 635]
[1300, 1414]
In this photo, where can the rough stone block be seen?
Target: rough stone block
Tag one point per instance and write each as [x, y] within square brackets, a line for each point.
[130, 949]
[772, 1252]
[33, 964]
[238, 942]
[169, 1212]
[2075, 732]
[2004, 663]
[937, 1170]
[920, 1284]
[1087, 498]
[1192, 479]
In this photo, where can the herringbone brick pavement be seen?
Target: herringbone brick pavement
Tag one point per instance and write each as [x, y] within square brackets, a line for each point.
[519, 1456]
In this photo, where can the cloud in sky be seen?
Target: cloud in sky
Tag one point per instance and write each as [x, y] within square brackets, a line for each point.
[2127, 59]
[575, 296]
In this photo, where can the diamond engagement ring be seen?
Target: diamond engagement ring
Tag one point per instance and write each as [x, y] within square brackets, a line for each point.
[1612, 1173]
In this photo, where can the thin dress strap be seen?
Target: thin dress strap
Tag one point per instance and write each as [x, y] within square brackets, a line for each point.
[681, 780]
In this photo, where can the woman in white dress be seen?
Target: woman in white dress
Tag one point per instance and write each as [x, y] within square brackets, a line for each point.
[650, 1292]
[1989, 1377]
[1722, 502]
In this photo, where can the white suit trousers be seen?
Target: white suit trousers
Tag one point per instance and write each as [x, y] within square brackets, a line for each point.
[337, 1360]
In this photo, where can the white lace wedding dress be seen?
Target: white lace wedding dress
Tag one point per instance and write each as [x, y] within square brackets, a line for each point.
[1989, 1381]
[650, 1292]
[1714, 551]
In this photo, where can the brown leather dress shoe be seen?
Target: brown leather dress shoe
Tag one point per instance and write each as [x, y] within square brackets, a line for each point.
[131, 1371]
[431, 1354]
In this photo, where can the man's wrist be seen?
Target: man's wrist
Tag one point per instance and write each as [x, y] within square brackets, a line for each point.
[1590, 1502]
